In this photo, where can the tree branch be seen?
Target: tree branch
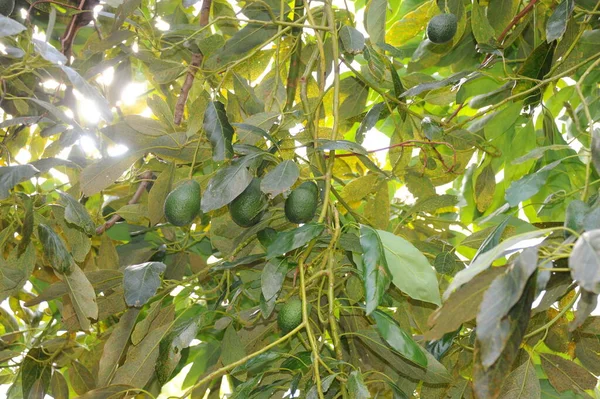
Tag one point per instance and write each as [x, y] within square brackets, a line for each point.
[192, 68]
[295, 60]
[146, 178]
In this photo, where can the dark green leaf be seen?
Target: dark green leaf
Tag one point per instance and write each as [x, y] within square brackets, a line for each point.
[289, 240]
[140, 282]
[341, 145]
[376, 275]
[55, 250]
[280, 179]
[219, 130]
[557, 23]
[586, 305]
[398, 339]
[565, 375]
[493, 328]
[35, 367]
[272, 277]
[585, 261]
[356, 386]
[58, 386]
[10, 176]
[420, 88]
[521, 383]
[529, 185]
[375, 20]
[352, 40]
[231, 350]
[75, 213]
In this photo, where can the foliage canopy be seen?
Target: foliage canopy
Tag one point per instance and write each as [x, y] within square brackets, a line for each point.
[454, 251]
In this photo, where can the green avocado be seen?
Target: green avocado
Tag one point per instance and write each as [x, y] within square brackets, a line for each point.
[7, 7]
[290, 315]
[442, 28]
[301, 205]
[183, 203]
[247, 209]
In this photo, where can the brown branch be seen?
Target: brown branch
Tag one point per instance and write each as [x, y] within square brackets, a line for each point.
[146, 178]
[192, 68]
[511, 25]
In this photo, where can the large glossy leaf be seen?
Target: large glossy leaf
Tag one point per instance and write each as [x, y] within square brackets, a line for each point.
[399, 339]
[280, 179]
[75, 213]
[412, 24]
[272, 277]
[521, 383]
[565, 375]
[55, 251]
[585, 261]
[10, 176]
[9, 26]
[226, 185]
[375, 272]
[483, 261]
[357, 387]
[115, 346]
[82, 296]
[353, 41]
[375, 20]
[218, 130]
[529, 185]
[410, 270]
[462, 305]
[140, 282]
[493, 327]
[557, 23]
[35, 368]
[289, 240]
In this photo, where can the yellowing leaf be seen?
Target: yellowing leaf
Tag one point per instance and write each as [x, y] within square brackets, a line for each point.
[412, 24]
[359, 188]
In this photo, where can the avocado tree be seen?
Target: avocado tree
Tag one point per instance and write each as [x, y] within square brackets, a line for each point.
[316, 199]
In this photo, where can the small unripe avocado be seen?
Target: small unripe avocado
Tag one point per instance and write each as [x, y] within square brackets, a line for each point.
[183, 203]
[301, 205]
[290, 315]
[7, 7]
[442, 28]
[247, 209]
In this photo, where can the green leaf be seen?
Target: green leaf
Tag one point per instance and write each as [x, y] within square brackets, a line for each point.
[140, 282]
[584, 261]
[101, 174]
[219, 130]
[75, 213]
[246, 96]
[89, 92]
[207, 356]
[141, 359]
[171, 347]
[35, 368]
[55, 251]
[485, 187]
[48, 52]
[487, 382]
[225, 186]
[80, 377]
[359, 188]
[15, 271]
[108, 392]
[82, 295]
[410, 269]
[521, 383]
[528, 186]
[58, 386]
[231, 350]
[485, 259]
[493, 328]
[370, 120]
[242, 42]
[158, 193]
[482, 30]
[341, 145]
[375, 272]
[420, 88]
[273, 276]
[10, 27]
[115, 345]
[399, 339]
[10, 176]
[575, 216]
[595, 147]
[280, 179]
[411, 24]
[462, 305]
[557, 23]
[585, 307]
[501, 12]
[374, 21]
[289, 240]
[565, 375]
[356, 386]
[352, 40]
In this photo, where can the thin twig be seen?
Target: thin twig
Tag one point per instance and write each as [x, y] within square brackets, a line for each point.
[146, 178]
[192, 68]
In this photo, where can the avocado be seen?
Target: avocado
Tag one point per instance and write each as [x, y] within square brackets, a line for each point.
[183, 203]
[290, 315]
[301, 205]
[7, 7]
[442, 28]
[247, 209]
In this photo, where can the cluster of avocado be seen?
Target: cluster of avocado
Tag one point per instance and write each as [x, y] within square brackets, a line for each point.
[182, 204]
[7, 7]
[442, 28]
